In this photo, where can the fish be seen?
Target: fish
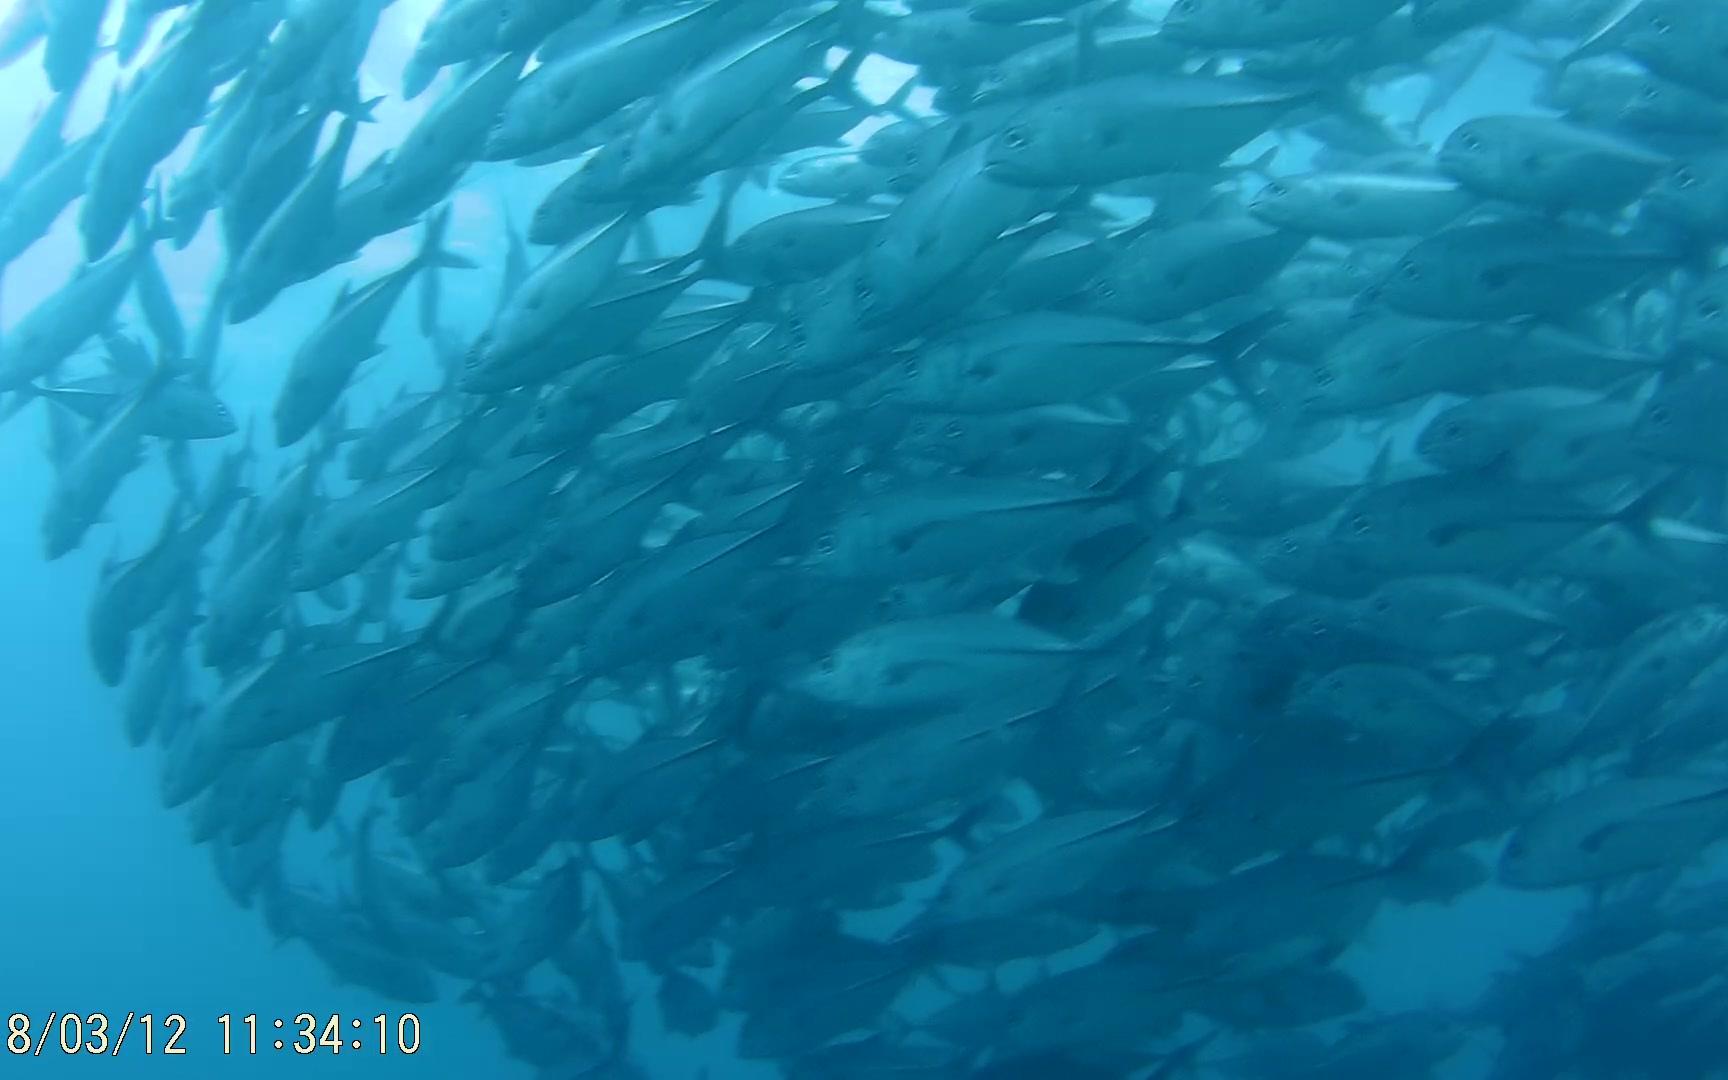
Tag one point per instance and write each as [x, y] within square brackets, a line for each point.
[1505, 269]
[52, 330]
[1101, 132]
[325, 362]
[999, 538]
[1359, 206]
[1549, 163]
[288, 243]
[1612, 830]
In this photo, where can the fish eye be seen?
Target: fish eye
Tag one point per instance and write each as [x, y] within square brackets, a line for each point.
[1451, 431]
[1660, 416]
[1709, 309]
[1016, 137]
[918, 428]
[1650, 92]
[954, 429]
[1277, 190]
[1106, 290]
[1410, 271]
[1288, 546]
[910, 367]
[827, 664]
[825, 544]
[1323, 376]
[1382, 605]
[1187, 7]
[1360, 525]
[1661, 25]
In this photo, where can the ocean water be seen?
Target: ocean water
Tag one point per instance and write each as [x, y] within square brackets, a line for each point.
[105, 904]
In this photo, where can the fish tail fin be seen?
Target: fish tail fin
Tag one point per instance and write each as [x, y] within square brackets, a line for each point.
[1086, 19]
[1345, 101]
[1643, 517]
[842, 83]
[354, 110]
[1262, 166]
[432, 257]
[145, 231]
[1228, 348]
[896, 105]
[710, 250]
[432, 250]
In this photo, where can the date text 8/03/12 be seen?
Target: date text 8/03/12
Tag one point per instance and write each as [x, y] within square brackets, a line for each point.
[104, 1035]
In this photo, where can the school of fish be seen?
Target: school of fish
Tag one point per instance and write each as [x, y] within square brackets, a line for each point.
[1059, 549]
